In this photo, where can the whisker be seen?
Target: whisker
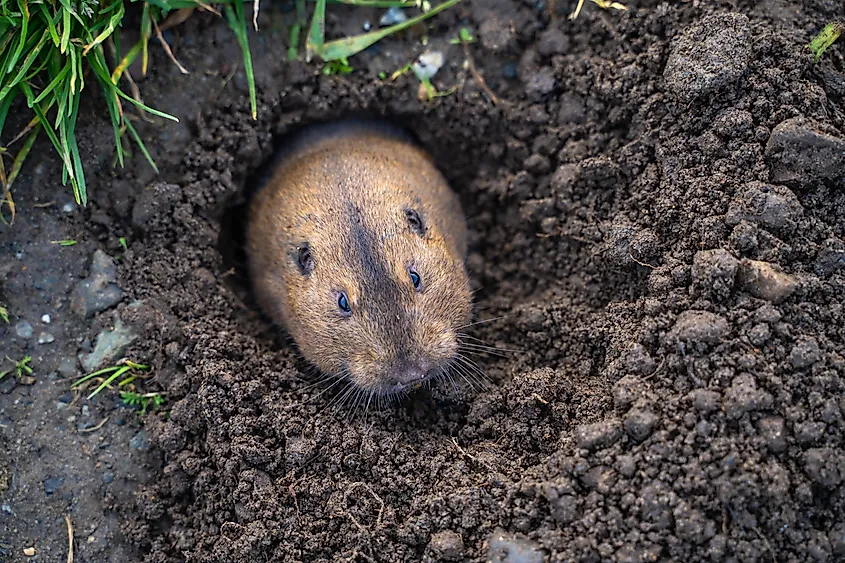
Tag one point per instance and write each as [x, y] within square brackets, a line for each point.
[485, 350]
[474, 368]
[481, 322]
[479, 342]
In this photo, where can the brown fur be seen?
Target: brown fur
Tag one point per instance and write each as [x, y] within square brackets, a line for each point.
[344, 192]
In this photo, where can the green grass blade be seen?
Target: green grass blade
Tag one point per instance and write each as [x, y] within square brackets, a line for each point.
[22, 154]
[80, 190]
[42, 118]
[113, 22]
[140, 144]
[66, 25]
[82, 380]
[51, 25]
[27, 62]
[296, 29]
[348, 46]
[5, 104]
[108, 381]
[146, 32]
[126, 61]
[237, 21]
[317, 33]
[16, 54]
[53, 84]
[115, 117]
[98, 65]
[825, 39]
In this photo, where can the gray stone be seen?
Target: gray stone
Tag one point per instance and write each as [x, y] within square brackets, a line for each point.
[52, 484]
[8, 383]
[802, 153]
[109, 345]
[766, 281]
[140, 441]
[99, 291]
[108, 477]
[67, 366]
[708, 56]
[45, 338]
[23, 329]
[392, 16]
[504, 547]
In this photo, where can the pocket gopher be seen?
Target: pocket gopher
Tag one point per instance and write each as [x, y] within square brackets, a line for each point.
[356, 245]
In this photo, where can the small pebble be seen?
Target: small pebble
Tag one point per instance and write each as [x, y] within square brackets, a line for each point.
[52, 484]
[108, 477]
[504, 546]
[392, 17]
[68, 207]
[766, 281]
[139, 441]
[427, 65]
[7, 509]
[7, 384]
[46, 319]
[23, 329]
[509, 70]
[801, 153]
[45, 338]
[86, 410]
[29, 551]
[99, 291]
[367, 25]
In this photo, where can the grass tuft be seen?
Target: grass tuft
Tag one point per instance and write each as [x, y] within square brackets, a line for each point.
[109, 375]
[142, 400]
[50, 50]
[21, 367]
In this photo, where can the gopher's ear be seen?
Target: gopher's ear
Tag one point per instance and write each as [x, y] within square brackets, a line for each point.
[415, 221]
[304, 259]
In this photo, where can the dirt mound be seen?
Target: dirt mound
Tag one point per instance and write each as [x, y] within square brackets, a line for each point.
[656, 213]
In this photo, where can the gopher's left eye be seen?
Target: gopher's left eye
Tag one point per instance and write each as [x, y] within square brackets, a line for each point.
[415, 279]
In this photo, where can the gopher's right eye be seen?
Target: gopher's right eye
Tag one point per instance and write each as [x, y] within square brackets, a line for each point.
[343, 304]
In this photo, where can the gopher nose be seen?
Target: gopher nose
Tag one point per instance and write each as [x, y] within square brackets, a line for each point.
[408, 374]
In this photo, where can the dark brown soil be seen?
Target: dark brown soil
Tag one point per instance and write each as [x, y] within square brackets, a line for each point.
[657, 209]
